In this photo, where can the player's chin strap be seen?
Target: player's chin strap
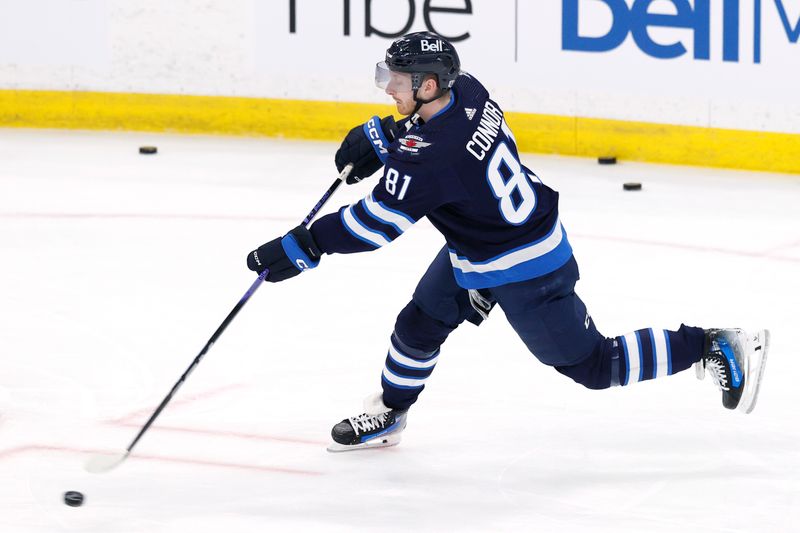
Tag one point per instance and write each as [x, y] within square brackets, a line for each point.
[420, 102]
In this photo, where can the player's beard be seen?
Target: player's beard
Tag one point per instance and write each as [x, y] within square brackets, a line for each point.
[405, 107]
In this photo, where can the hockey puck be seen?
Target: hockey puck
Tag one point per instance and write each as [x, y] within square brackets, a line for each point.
[73, 498]
[148, 150]
[631, 186]
[607, 160]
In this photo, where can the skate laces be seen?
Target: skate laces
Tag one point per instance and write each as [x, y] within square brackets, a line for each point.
[364, 423]
[717, 370]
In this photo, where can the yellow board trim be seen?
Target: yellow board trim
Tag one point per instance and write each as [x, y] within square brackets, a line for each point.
[590, 137]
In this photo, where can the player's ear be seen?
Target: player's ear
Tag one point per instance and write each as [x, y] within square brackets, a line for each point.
[431, 85]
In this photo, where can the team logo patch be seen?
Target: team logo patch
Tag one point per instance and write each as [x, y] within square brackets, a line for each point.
[413, 144]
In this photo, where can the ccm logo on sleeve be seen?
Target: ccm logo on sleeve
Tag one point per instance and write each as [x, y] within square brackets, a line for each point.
[375, 136]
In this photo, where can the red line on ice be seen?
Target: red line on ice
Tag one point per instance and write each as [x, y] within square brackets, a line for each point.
[127, 421]
[177, 402]
[232, 434]
[4, 454]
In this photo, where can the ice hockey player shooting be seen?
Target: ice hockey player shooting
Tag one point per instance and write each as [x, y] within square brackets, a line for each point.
[453, 159]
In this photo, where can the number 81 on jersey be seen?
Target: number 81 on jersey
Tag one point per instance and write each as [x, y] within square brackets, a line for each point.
[392, 177]
[514, 212]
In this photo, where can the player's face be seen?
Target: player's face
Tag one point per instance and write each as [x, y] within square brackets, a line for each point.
[404, 100]
[397, 85]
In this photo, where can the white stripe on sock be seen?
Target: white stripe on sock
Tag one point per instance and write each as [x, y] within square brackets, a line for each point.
[403, 382]
[403, 360]
[662, 355]
[634, 358]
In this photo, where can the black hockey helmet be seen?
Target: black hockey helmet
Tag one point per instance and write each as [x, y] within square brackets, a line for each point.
[424, 53]
[420, 54]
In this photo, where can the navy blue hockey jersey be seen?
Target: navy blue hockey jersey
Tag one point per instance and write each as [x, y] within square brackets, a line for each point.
[461, 169]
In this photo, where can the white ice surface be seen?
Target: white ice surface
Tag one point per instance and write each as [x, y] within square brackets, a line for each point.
[117, 267]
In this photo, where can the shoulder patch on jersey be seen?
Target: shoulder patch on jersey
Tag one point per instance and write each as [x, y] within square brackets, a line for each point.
[412, 144]
[470, 111]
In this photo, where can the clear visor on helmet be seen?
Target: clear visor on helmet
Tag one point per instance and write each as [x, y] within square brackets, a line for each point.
[392, 81]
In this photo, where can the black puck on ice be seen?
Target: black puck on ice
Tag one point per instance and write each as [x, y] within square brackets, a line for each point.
[73, 498]
[607, 160]
[148, 150]
[632, 186]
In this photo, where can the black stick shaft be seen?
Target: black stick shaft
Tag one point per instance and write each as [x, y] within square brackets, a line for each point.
[235, 311]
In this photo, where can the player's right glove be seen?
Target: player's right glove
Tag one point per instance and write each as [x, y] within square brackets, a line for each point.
[366, 147]
[286, 256]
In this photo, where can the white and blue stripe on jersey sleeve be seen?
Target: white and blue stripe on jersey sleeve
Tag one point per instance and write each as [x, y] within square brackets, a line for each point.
[374, 223]
[385, 215]
[522, 263]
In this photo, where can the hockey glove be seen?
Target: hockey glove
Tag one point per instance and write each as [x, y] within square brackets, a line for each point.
[366, 147]
[286, 256]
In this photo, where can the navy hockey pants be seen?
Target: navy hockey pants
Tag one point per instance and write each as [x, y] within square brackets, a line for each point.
[547, 315]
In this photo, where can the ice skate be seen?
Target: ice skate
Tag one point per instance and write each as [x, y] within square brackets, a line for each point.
[378, 427]
[735, 360]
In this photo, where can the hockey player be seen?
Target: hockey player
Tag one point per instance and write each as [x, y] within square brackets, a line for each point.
[454, 160]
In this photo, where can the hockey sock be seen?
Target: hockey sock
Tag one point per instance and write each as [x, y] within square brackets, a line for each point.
[654, 353]
[405, 373]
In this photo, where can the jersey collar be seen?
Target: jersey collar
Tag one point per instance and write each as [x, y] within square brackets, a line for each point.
[447, 107]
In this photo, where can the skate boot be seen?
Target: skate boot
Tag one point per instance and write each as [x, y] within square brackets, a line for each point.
[735, 360]
[379, 426]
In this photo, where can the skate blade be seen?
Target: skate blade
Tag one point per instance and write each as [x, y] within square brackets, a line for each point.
[381, 442]
[755, 362]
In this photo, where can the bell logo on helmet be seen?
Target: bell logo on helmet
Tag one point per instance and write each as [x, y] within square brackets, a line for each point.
[427, 46]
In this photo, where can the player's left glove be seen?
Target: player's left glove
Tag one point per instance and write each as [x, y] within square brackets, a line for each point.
[366, 147]
[286, 256]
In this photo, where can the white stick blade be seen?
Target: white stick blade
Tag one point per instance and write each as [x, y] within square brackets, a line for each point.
[100, 463]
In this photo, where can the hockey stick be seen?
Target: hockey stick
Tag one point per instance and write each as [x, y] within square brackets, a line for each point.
[100, 463]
